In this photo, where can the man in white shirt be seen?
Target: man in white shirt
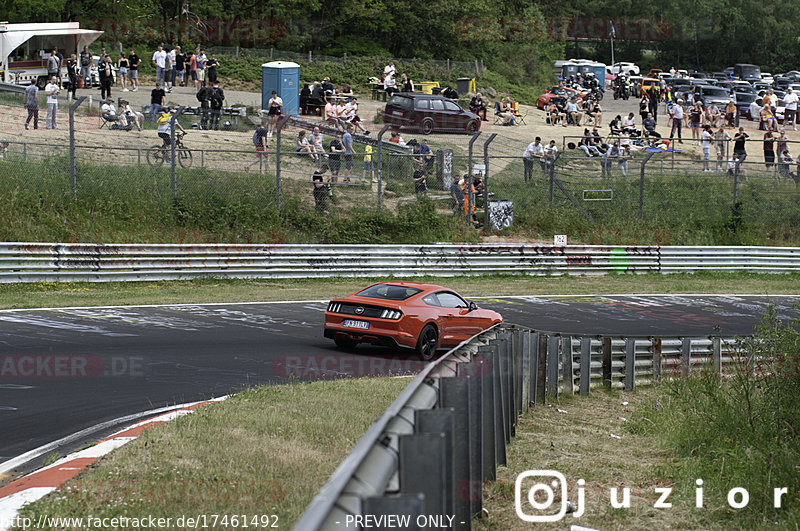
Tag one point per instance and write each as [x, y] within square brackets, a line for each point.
[677, 119]
[755, 111]
[389, 70]
[109, 112]
[790, 103]
[160, 62]
[535, 150]
[52, 90]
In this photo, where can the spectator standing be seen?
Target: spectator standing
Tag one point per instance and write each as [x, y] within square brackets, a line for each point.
[550, 153]
[335, 150]
[613, 152]
[86, 67]
[260, 143]
[157, 101]
[644, 106]
[676, 116]
[389, 70]
[721, 138]
[204, 97]
[217, 101]
[211, 67]
[169, 68]
[769, 149]
[320, 189]
[72, 75]
[706, 138]
[52, 90]
[782, 141]
[201, 67]
[192, 62]
[347, 141]
[159, 61]
[32, 104]
[695, 117]
[274, 110]
[54, 65]
[457, 194]
[106, 72]
[420, 184]
[739, 140]
[790, 104]
[133, 69]
[535, 150]
[122, 70]
[368, 165]
[427, 156]
[179, 71]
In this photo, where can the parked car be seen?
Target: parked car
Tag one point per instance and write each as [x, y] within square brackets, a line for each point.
[654, 72]
[721, 76]
[429, 113]
[709, 94]
[794, 75]
[743, 101]
[558, 92]
[406, 315]
[766, 77]
[782, 82]
[761, 85]
[630, 69]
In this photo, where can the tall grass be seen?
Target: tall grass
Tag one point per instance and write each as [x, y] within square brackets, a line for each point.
[740, 431]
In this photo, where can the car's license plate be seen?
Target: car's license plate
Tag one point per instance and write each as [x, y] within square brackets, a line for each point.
[356, 324]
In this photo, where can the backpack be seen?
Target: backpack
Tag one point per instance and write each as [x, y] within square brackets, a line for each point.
[163, 118]
[201, 95]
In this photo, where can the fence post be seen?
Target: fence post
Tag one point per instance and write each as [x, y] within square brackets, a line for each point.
[686, 356]
[309, 56]
[630, 363]
[486, 179]
[541, 369]
[657, 364]
[552, 366]
[470, 198]
[281, 122]
[551, 170]
[607, 362]
[641, 184]
[736, 180]
[586, 365]
[380, 165]
[716, 355]
[72, 168]
[567, 372]
[174, 163]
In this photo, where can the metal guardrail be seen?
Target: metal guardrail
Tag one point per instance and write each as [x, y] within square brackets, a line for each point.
[431, 451]
[35, 262]
[10, 87]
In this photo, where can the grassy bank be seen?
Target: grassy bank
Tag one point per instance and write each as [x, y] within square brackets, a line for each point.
[51, 294]
[265, 451]
[739, 432]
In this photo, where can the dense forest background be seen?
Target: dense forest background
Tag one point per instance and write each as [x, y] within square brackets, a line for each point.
[515, 38]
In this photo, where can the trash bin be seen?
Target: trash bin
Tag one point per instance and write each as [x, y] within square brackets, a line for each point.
[463, 84]
[501, 214]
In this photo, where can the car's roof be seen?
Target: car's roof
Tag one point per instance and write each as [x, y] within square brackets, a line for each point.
[409, 95]
[411, 284]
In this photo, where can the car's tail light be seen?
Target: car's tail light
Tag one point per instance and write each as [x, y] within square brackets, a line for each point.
[334, 307]
[391, 314]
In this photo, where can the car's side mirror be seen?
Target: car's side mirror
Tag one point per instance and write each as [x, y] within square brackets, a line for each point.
[472, 306]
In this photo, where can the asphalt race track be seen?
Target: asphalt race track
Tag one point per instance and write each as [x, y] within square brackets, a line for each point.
[64, 370]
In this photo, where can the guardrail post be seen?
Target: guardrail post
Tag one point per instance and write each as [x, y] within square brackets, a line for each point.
[516, 359]
[716, 355]
[534, 368]
[686, 356]
[525, 369]
[499, 417]
[72, 165]
[454, 393]
[552, 366]
[435, 421]
[541, 369]
[585, 365]
[506, 351]
[486, 368]
[630, 363]
[380, 165]
[410, 505]
[422, 468]
[173, 178]
[486, 180]
[657, 360]
[567, 369]
[472, 489]
[607, 362]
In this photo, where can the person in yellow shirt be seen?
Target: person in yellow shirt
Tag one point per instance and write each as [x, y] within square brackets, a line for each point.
[368, 166]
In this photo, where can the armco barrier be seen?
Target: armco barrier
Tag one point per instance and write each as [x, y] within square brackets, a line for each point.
[33, 262]
[431, 451]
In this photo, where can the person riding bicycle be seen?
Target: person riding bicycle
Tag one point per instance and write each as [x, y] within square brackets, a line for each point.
[164, 122]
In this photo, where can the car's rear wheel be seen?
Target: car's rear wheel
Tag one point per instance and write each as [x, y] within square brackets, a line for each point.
[344, 342]
[472, 126]
[427, 126]
[427, 343]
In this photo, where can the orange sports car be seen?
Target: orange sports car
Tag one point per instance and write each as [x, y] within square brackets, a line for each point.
[410, 315]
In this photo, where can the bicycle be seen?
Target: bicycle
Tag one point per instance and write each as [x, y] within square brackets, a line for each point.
[158, 155]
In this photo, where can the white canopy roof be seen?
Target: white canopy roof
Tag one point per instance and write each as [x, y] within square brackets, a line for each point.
[14, 35]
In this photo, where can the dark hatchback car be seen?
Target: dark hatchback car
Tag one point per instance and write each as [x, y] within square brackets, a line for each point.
[428, 113]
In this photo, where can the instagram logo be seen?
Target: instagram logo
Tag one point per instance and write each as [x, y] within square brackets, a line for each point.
[541, 495]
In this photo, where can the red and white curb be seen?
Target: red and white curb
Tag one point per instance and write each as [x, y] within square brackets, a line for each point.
[38, 484]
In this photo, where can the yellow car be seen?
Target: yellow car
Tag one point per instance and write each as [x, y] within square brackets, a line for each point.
[648, 83]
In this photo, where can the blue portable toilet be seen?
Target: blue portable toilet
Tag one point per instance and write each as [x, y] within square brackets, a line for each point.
[284, 78]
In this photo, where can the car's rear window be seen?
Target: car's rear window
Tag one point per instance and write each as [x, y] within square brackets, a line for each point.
[388, 291]
[401, 101]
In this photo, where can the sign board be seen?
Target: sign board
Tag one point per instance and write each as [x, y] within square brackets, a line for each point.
[560, 240]
[501, 214]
